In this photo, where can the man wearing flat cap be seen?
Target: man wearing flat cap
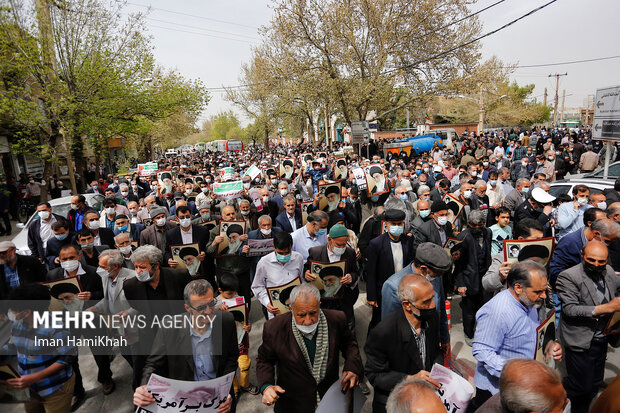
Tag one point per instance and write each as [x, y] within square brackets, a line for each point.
[16, 270]
[438, 229]
[387, 254]
[336, 250]
[431, 261]
[155, 234]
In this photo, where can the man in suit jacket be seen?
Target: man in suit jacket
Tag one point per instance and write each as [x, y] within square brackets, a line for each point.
[387, 254]
[148, 293]
[392, 349]
[102, 235]
[290, 213]
[306, 336]
[515, 197]
[436, 230]
[175, 349]
[336, 250]
[474, 261]
[23, 269]
[265, 231]
[37, 239]
[588, 293]
[155, 234]
[184, 232]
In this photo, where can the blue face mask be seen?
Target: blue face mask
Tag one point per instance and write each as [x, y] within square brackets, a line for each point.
[493, 183]
[353, 181]
[418, 171]
[425, 213]
[321, 232]
[404, 197]
[205, 216]
[61, 237]
[123, 228]
[525, 190]
[374, 198]
[283, 258]
[396, 230]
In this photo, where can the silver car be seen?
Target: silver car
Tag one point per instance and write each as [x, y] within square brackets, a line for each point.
[60, 206]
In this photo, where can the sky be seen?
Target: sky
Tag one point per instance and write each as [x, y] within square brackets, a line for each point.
[211, 39]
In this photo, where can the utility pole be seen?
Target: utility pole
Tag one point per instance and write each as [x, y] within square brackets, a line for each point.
[562, 111]
[556, 99]
[407, 118]
[480, 113]
[587, 110]
[545, 98]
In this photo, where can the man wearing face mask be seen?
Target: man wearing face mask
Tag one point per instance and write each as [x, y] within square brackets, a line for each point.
[424, 215]
[283, 191]
[186, 233]
[424, 193]
[537, 206]
[437, 230]
[92, 289]
[570, 214]
[516, 197]
[124, 246]
[122, 224]
[387, 254]
[265, 231]
[304, 345]
[155, 291]
[246, 214]
[336, 250]
[17, 269]
[588, 294]
[431, 261]
[276, 268]
[40, 231]
[471, 266]
[155, 234]
[405, 344]
[102, 236]
[506, 327]
[313, 234]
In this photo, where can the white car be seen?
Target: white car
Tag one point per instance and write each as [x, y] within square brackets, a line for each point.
[60, 206]
[565, 186]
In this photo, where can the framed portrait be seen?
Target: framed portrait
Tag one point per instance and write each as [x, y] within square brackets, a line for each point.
[384, 227]
[376, 181]
[321, 154]
[231, 231]
[270, 172]
[166, 180]
[287, 169]
[451, 245]
[209, 224]
[331, 196]
[186, 256]
[8, 394]
[328, 276]
[135, 244]
[64, 294]
[539, 250]
[305, 160]
[278, 296]
[240, 314]
[545, 339]
[341, 171]
[613, 326]
[304, 211]
[455, 207]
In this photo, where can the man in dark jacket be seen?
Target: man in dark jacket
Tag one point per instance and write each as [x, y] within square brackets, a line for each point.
[17, 269]
[265, 231]
[306, 336]
[436, 230]
[393, 349]
[40, 231]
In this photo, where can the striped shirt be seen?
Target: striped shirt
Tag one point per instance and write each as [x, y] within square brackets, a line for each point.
[505, 330]
[33, 358]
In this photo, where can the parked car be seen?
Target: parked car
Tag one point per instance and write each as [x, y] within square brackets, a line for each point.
[613, 173]
[565, 186]
[60, 206]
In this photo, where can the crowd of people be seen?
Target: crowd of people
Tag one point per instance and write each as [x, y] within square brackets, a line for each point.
[408, 231]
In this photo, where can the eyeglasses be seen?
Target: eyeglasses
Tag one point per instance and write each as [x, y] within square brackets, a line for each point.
[203, 307]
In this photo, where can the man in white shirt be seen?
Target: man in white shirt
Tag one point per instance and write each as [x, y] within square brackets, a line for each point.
[277, 268]
[313, 234]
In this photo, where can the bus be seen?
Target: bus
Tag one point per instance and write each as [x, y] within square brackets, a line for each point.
[234, 146]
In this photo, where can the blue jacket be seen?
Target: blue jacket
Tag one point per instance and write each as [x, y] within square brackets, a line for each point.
[283, 223]
[566, 254]
[316, 175]
[390, 302]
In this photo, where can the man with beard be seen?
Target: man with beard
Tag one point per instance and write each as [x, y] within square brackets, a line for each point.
[588, 294]
[377, 174]
[507, 327]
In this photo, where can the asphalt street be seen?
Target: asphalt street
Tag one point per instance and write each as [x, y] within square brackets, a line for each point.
[121, 399]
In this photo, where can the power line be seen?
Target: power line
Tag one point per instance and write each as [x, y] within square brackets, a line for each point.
[201, 28]
[596, 59]
[201, 34]
[193, 15]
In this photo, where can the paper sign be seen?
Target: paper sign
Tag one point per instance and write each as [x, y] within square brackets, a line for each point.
[360, 178]
[335, 400]
[252, 172]
[260, 247]
[228, 173]
[455, 391]
[147, 169]
[228, 190]
[187, 396]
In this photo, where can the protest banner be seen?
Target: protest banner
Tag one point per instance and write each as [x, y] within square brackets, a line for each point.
[179, 396]
[147, 169]
[455, 391]
[252, 172]
[360, 178]
[260, 247]
[227, 173]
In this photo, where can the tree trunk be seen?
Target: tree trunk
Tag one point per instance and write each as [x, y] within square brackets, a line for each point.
[266, 138]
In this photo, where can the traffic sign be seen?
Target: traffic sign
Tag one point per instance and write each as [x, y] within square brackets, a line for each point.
[606, 122]
[360, 132]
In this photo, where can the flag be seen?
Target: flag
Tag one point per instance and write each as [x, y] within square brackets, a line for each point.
[427, 116]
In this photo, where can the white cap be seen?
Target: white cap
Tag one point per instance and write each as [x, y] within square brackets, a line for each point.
[437, 168]
[541, 196]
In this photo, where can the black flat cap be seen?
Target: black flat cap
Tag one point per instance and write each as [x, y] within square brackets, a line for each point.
[394, 215]
[433, 256]
[439, 206]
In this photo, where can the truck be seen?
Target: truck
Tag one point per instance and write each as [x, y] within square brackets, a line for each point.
[234, 146]
[421, 143]
[171, 153]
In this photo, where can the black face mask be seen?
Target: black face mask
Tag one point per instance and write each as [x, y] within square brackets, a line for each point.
[596, 272]
[426, 314]
[476, 232]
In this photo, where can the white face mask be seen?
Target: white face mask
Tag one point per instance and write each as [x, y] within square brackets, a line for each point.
[133, 212]
[70, 265]
[94, 225]
[582, 201]
[442, 220]
[339, 251]
[103, 273]
[307, 329]
[125, 193]
[602, 205]
[125, 250]
[283, 192]
[144, 276]
[188, 192]
[204, 189]
[265, 231]
[160, 222]
[245, 212]
[246, 185]
[109, 211]
[467, 194]
[44, 214]
[265, 199]
[185, 222]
